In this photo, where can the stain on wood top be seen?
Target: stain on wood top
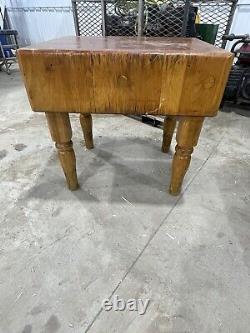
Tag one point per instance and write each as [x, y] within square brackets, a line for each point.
[148, 45]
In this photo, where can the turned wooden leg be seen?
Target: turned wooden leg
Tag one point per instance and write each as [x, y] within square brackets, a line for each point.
[187, 137]
[86, 123]
[168, 131]
[61, 133]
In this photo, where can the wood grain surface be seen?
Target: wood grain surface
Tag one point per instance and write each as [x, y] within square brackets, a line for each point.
[166, 76]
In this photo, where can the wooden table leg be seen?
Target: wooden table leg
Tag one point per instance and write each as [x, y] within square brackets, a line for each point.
[187, 137]
[168, 131]
[86, 123]
[61, 133]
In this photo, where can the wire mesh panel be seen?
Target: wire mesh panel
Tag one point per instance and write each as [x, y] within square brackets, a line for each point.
[121, 18]
[152, 17]
[88, 17]
[217, 12]
[166, 18]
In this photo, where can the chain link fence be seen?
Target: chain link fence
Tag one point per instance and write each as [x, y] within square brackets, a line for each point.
[151, 17]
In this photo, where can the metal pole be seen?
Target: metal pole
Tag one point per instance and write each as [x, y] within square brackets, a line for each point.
[74, 7]
[103, 4]
[185, 18]
[140, 17]
[229, 22]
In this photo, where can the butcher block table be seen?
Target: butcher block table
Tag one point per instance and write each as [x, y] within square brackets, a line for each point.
[182, 79]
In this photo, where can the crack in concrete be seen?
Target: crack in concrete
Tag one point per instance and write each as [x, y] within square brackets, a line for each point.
[155, 232]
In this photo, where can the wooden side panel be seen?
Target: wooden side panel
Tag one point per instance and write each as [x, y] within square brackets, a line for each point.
[58, 82]
[125, 83]
[193, 85]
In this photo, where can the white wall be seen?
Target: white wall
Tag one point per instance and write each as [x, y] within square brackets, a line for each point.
[38, 26]
[2, 3]
[241, 21]
[37, 3]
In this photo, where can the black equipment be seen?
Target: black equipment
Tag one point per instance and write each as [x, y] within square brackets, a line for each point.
[238, 86]
[159, 20]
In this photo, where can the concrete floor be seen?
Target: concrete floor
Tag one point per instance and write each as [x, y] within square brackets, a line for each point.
[62, 252]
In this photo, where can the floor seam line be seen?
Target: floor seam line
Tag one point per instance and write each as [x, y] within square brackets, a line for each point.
[203, 164]
[154, 234]
[134, 262]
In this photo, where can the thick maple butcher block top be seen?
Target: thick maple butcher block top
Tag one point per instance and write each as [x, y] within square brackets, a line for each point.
[128, 75]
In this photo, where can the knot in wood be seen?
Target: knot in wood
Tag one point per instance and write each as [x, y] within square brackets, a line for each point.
[209, 82]
[122, 80]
